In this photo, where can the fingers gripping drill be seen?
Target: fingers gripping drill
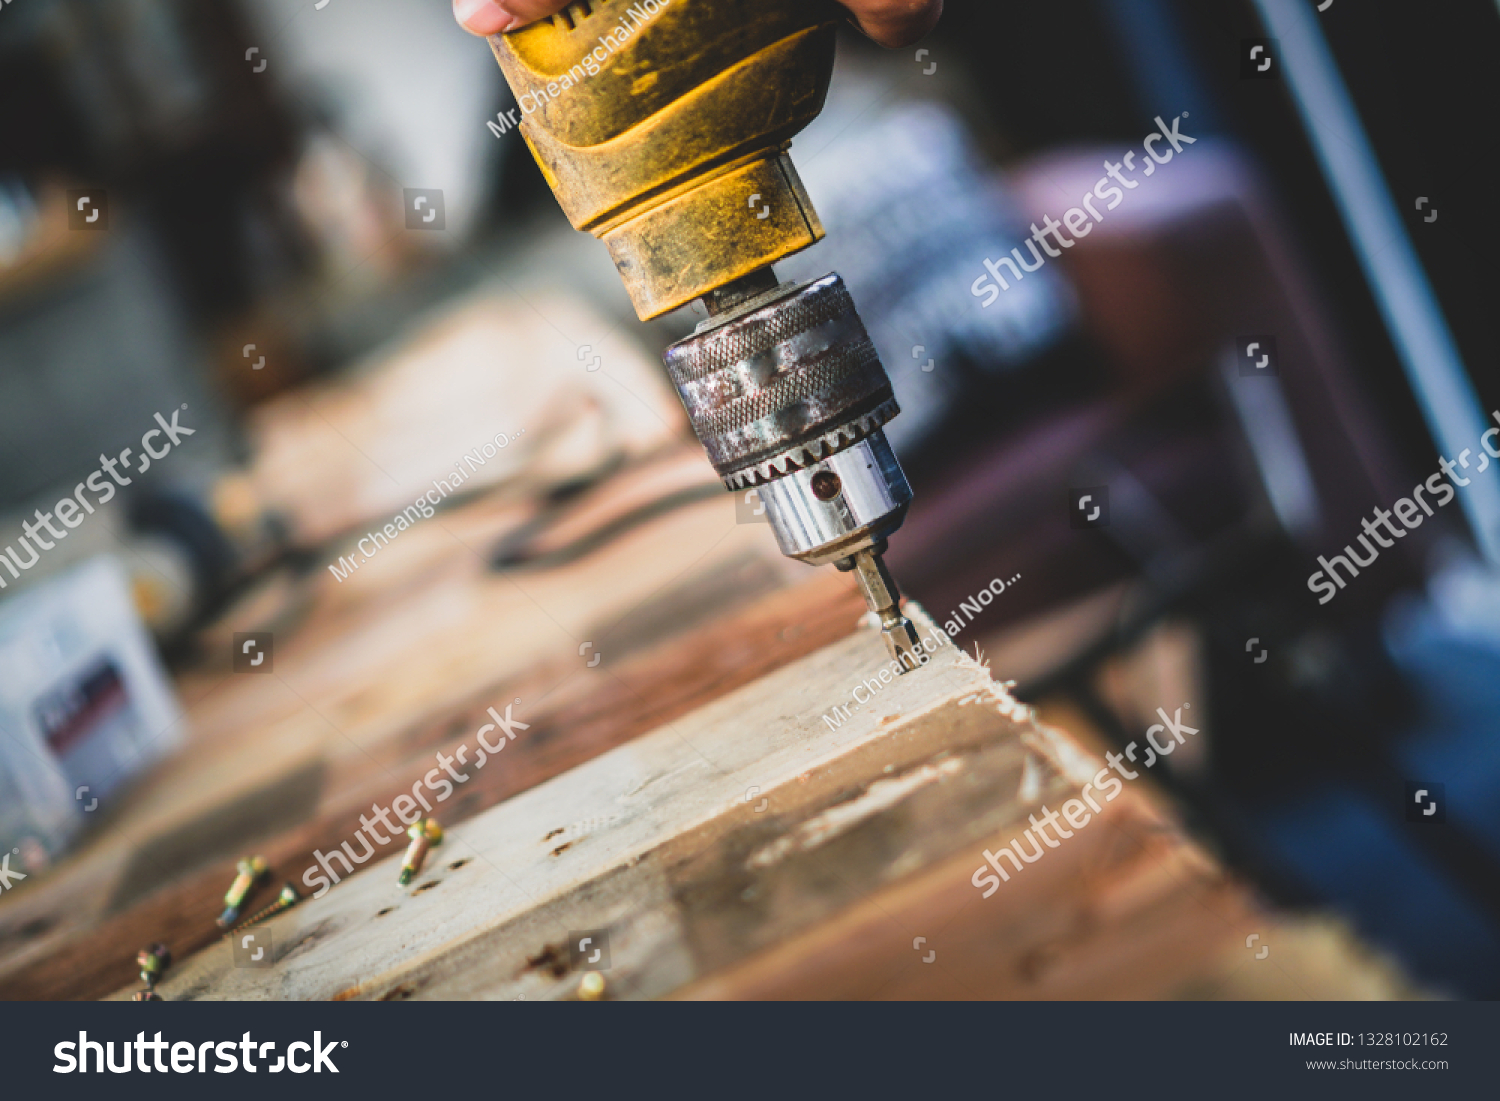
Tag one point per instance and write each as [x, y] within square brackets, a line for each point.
[663, 128]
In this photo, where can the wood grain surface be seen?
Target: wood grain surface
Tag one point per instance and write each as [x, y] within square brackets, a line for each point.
[752, 849]
[376, 674]
[596, 841]
[329, 456]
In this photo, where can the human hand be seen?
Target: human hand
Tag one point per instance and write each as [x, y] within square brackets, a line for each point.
[889, 22]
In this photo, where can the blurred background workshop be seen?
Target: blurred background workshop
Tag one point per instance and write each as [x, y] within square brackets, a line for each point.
[329, 448]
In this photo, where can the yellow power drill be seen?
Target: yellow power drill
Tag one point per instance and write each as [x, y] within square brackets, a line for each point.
[663, 128]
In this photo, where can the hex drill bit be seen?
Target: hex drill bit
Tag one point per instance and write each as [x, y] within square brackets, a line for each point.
[884, 599]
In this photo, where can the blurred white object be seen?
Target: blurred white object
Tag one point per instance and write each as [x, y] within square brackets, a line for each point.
[407, 87]
[85, 706]
[18, 218]
[912, 211]
[1463, 597]
[573, 391]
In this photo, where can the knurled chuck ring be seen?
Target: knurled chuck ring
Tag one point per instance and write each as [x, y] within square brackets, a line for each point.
[783, 382]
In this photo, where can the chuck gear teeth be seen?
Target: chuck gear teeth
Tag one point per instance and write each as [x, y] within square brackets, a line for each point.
[782, 381]
[815, 450]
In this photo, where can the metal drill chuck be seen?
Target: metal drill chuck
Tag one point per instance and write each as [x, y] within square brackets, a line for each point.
[787, 394]
[781, 380]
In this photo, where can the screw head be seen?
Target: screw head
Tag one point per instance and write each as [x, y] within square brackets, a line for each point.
[157, 955]
[591, 986]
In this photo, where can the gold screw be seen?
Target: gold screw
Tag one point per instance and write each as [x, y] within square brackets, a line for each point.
[284, 901]
[424, 835]
[591, 986]
[251, 871]
[153, 962]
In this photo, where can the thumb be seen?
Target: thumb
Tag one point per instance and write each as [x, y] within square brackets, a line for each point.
[487, 17]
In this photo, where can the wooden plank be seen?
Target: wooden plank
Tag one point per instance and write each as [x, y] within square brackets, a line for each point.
[613, 811]
[328, 456]
[375, 674]
[657, 842]
[1126, 908]
[590, 713]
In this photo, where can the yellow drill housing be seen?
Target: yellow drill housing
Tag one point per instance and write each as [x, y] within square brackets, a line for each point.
[662, 127]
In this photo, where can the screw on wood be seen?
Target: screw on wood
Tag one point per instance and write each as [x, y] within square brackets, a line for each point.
[284, 901]
[153, 961]
[591, 986]
[424, 836]
[251, 870]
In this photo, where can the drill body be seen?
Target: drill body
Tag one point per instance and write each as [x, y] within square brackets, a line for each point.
[663, 128]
